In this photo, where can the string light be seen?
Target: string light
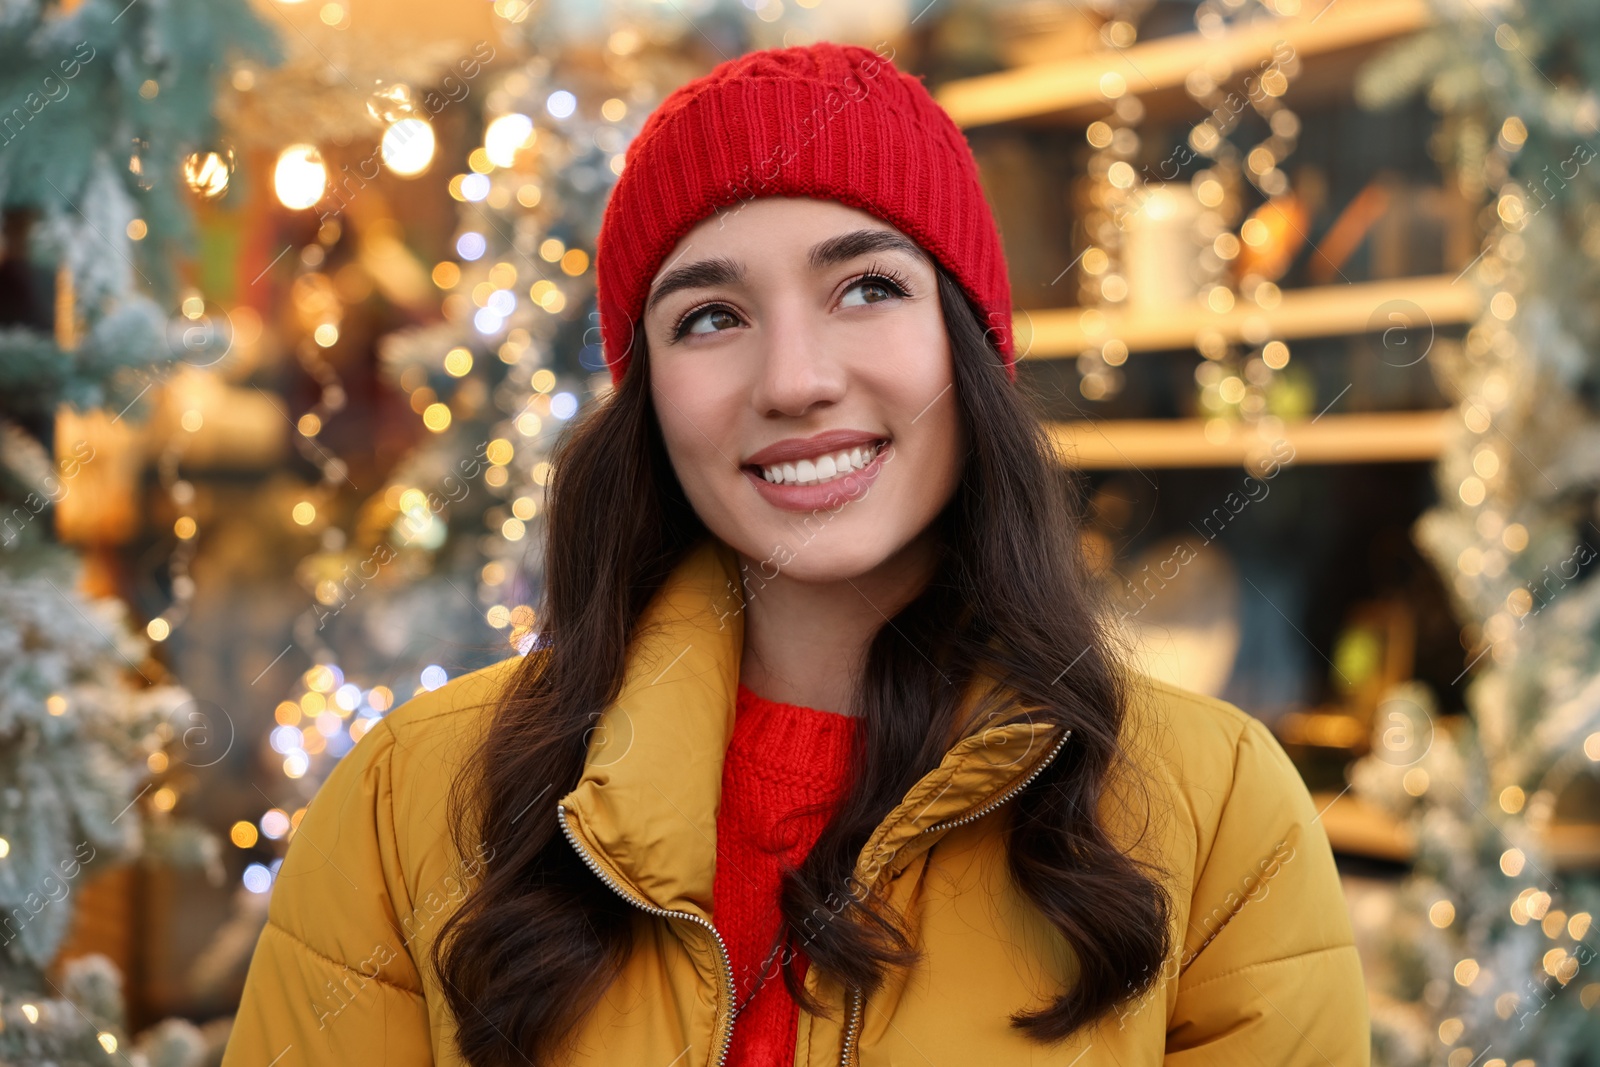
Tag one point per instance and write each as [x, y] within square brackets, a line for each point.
[1227, 261]
[1114, 190]
[513, 280]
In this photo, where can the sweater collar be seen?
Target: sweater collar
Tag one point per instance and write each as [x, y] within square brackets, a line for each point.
[645, 806]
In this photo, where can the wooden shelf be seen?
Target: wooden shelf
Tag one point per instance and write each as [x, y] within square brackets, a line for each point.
[1573, 845]
[1323, 311]
[1126, 444]
[1357, 828]
[1072, 84]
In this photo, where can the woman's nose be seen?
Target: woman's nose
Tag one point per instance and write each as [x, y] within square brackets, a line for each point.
[798, 370]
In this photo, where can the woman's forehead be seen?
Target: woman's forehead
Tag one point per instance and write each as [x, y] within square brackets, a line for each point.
[742, 231]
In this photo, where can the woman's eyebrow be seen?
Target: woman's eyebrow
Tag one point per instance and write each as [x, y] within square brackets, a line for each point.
[720, 270]
[847, 246]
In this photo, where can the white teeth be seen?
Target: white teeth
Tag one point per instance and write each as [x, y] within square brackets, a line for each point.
[822, 468]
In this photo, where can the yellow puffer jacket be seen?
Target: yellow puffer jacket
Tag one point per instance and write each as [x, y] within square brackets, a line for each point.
[1267, 974]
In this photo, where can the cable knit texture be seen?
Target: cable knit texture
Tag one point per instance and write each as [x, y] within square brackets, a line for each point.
[782, 760]
[834, 122]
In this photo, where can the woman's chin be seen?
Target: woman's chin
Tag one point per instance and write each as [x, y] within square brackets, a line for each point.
[841, 551]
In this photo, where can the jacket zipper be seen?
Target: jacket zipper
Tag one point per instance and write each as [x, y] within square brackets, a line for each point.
[1009, 793]
[847, 1052]
[722, 947]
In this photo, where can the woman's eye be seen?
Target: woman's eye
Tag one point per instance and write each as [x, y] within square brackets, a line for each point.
[709, 320]
[871, 290]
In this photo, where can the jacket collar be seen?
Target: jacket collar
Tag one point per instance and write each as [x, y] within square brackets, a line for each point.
[645, 806]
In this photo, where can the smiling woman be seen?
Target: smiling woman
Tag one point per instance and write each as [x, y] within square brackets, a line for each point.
[825, 753]
[814, 374]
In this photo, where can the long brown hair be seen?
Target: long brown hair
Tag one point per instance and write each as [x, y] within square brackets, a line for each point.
[539, 938]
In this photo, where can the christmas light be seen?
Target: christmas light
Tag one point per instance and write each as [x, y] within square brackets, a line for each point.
[561, 104]
[300, 177]
[257, 878]
[275, 823]
[408, 147]
[506, 136]
[208, 174]
[436, 417]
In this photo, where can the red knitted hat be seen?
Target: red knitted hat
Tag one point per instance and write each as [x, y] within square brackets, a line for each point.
[835, 122]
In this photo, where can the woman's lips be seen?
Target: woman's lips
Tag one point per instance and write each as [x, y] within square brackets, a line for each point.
[829, 494]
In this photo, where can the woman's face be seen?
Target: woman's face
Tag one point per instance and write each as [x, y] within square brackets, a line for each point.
[801, 373]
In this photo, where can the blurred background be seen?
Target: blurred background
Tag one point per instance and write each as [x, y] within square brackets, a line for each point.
[295, 298]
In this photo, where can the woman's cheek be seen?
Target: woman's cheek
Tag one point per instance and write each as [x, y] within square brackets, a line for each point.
[938, 447]
[689, 432]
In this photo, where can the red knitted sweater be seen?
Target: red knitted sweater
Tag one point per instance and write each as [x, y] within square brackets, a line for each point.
[781, 758]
